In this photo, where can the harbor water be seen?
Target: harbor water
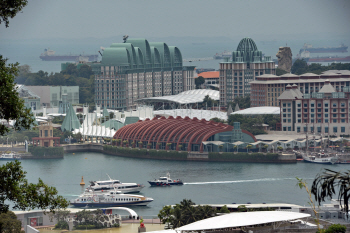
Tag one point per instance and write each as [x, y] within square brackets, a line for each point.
[204, 182]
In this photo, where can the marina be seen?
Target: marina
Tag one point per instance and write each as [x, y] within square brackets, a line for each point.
[204, 182]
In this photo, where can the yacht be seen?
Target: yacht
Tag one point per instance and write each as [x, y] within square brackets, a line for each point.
[10, 156]
[108, 185]
[165, 181]
[326, 160]
[90, 199]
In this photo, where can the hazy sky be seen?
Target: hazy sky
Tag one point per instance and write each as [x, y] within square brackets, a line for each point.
[164, 18]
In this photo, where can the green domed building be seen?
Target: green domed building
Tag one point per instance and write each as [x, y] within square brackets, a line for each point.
[247, 63]
[139, 69]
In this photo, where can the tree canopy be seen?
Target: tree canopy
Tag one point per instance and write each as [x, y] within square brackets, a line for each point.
[199, 81]
[243, 102]
[9, 9]
[300, 66]
[11, 105]
[253, 124]
[15, 188]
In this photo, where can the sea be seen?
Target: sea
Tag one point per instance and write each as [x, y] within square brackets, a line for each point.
[204, 182]
[28, 51]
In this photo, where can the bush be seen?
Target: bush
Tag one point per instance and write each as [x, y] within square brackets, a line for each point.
[62, 225]
[46, 151]
[336, 228]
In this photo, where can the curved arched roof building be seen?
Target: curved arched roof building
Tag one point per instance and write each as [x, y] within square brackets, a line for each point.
[139, 69]
[180, 133]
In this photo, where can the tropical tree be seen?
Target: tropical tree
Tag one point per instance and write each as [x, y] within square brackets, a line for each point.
[235, 147]
[15, 188]
[10, 223]
[265, 147]
[330, 183]
[220, 147]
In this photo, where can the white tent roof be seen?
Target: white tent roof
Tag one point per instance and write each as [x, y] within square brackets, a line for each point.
[259, 110]
[238, 143]
[187, 97]
[242, 219]
[214, 142]
[191, 113]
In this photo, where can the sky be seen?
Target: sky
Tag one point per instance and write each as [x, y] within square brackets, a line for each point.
[266, 19]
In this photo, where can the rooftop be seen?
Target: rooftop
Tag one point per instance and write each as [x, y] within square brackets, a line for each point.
[210, 74]
[259, 110]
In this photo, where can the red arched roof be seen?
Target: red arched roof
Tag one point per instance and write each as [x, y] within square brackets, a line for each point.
[171, 130]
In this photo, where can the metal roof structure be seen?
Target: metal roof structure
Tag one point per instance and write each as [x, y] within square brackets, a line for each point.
[242, 219]
[258, 111]
[71, 121]
[191, 113]
[186, 97]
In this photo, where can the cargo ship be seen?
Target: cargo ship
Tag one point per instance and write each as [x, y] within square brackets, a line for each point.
[308, 47]
[49, 55]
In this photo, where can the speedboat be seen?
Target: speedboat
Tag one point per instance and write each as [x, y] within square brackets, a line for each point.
[108, 185]
[165, 181]
[10, 156]
[90, 199]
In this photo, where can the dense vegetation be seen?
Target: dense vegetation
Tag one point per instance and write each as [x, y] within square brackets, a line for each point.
[243, 102]
[72, 76]
[186, 213]
[300, 67]
[253, 124]
[46, 151]
[244, 157]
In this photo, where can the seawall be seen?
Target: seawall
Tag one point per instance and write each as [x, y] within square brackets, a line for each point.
[183, 155]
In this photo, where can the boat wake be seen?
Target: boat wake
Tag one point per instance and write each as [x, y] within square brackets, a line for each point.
[244, 181]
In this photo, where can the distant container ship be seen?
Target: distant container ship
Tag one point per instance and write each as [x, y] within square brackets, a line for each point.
[49, 55]
[308, 47]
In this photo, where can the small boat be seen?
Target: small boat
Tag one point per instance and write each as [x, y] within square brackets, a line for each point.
[165, 181]
[90, 199]
[10, 156]
[108, 185]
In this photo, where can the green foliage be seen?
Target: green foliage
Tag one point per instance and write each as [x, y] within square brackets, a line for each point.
[224, 210]
[11, 105]
[91, 219]
[300, 67]
[243, 102]
[218, 120]
[185, 213]
[336, 228]
[280, 72]
[9, 9]
[46, 151]
[16, 189]
[62, 225]
[208, 102]
[199, 81]
[9, 223]
[253, 124]
[243, 157]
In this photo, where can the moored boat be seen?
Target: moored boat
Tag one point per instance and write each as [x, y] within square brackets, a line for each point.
[90, 199]
[165, 181]
[10, 156]
[326, 160]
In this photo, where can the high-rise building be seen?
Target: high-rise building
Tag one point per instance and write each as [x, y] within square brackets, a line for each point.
[324, 112]
[247, 63]
[138, 69]
[267, 88]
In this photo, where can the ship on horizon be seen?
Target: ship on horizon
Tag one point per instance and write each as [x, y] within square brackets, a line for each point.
[49, 55]
[309, 48]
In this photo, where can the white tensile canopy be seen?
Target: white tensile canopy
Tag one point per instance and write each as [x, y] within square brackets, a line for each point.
[242, 219]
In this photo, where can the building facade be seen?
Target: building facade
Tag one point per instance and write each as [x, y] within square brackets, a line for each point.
[267, 88]
[246, 64]
[54, 96]
[324, 112]
[138, 69]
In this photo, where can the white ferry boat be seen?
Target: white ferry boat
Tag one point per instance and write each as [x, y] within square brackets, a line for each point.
[314, 159]
[110, 199]
[109, 185]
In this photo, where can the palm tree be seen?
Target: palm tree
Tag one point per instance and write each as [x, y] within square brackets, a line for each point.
[265, 147]
[220, 147]
[235, 147]
[249, 147]
[330, 183]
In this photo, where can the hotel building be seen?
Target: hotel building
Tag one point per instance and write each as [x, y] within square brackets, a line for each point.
[137, 69]
[267, 88]
[324, 112]
[246, 64]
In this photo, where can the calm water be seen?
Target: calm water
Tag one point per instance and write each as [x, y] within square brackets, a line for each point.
[205, 183]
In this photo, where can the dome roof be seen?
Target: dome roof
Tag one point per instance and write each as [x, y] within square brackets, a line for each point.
[246, 45]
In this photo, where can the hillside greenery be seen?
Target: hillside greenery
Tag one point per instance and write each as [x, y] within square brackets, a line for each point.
[71, 76]
[300, 66]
